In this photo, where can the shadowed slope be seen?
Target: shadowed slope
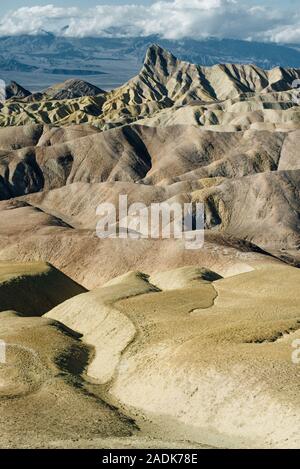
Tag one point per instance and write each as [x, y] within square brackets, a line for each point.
[34, 288]
[43, 390]
[186, 350]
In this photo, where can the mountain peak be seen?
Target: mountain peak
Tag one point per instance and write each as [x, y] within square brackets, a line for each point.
[72, 88]
[157, 55]
[44, 32]
[14, 90]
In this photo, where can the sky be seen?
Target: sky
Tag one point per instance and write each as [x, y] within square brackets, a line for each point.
[14, 4]
[264, 20]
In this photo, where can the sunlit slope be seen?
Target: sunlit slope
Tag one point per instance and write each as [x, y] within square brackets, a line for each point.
[212, 362]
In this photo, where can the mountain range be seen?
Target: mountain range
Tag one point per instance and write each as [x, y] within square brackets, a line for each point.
[139, 342]
[41, 60]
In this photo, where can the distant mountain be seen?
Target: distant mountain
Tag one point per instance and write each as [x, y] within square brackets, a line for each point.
[213, 51]
[16, 90]
[69, 89]
[74, 72]
[41, 60]
[15, 66]
[168, 90]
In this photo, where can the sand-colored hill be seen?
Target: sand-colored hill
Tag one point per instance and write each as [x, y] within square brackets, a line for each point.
[14, 138]
[29, 234]
[70, 89]
[164, 82]
[33, 288]
[184, 358]
[289, 159]
[170, 347]
[166, 79]
[137, 358]
[184, 277]
[44, 398]
[70, 111]
[135, 154]
[264, 209]
[235, 149]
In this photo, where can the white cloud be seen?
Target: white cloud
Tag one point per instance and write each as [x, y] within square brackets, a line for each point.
[32, 19]
[172, 19]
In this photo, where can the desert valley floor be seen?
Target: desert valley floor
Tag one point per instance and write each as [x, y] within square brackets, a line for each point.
[142, 343]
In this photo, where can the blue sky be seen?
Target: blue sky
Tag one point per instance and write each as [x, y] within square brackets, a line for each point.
[264, 20]
[13, 4]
